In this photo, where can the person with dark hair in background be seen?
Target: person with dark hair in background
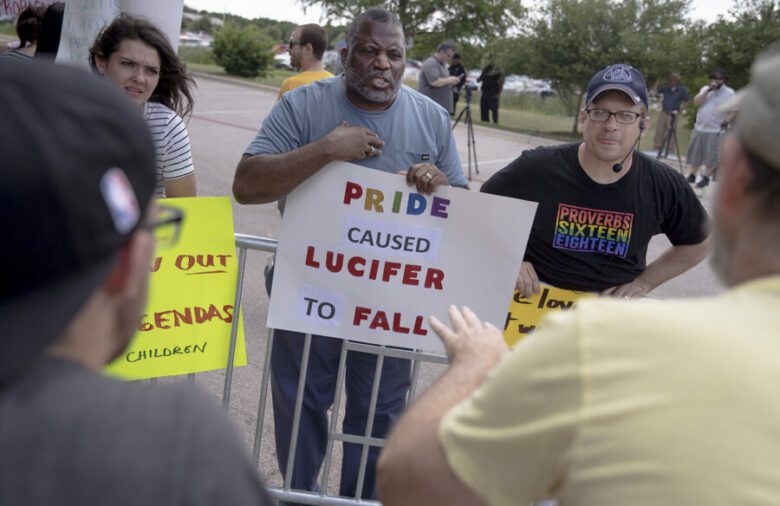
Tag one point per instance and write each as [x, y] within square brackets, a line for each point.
[711, 121]
[307, 45]
[28, 28]
[51, 30]
[623, 402]
[458, 70]
[78, 221]
[601, 202]
[136, 55]
[492, 79]
[435, 80]
[367, 117]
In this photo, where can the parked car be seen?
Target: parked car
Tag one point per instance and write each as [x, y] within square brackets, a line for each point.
[472, 76]
[282, 61]
[515, 84]
[412, 70]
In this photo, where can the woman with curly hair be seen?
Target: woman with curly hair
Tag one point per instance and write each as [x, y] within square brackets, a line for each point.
[136, 55]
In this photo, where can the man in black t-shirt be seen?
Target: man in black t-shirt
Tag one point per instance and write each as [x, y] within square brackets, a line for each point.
[457, 69]
[600, 203]
[492, 79]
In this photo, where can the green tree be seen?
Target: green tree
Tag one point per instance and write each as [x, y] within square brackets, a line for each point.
[734, 44]
[569, 40]
[242, 52]
[203, 24]
[461, 20]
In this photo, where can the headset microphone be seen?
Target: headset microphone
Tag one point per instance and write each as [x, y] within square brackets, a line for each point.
[619, 166]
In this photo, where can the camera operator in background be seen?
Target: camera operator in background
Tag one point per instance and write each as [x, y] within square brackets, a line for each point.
[457, 70]
[492, 79]
[710, 122]
[675, 97]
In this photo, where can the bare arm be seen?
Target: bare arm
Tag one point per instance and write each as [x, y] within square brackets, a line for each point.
[702, 96]
[267, 177]
[181, 187]
[672, 262]
[413, 468]
[445, 81]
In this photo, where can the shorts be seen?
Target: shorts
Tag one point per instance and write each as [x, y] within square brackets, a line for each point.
[704, 149]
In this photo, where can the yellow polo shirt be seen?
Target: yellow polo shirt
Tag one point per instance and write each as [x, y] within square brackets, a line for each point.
[301, 79]
[632, 403]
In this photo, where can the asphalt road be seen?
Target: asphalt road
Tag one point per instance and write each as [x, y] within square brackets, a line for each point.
[226, 117]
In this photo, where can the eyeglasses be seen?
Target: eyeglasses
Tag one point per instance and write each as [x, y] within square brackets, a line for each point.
[602, 115]
[292, 43]
[167, 226]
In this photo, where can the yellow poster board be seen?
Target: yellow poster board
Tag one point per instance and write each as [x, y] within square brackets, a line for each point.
[525, 313]
[187, 322]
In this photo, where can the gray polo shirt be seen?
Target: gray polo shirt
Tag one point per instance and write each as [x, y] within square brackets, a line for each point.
[433, 69]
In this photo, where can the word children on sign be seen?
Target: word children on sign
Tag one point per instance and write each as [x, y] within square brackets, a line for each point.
[380, 257]
[187, 323]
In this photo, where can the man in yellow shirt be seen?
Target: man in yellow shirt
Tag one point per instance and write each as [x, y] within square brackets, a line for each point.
[623, 402]
[307, 45]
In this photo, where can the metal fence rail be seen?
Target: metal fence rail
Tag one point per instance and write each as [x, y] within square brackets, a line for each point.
[244, 243]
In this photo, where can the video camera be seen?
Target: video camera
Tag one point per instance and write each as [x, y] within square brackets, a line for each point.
[470, 87]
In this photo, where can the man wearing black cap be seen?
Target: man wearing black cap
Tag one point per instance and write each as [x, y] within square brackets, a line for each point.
[600, 202]
[614, 402]
[710, 123]
[78, 218]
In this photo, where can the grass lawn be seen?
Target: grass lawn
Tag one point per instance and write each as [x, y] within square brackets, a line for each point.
[529, 118]
[526, 114]
[8, 29]
[273, 77]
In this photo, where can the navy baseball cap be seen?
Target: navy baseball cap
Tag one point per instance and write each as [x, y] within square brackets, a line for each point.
[76, 179]
[621, 77]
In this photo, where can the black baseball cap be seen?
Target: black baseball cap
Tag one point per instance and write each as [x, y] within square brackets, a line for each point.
[621, 77]
[76, 178]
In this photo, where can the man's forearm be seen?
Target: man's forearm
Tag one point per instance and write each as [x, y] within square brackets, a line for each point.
[673, 262]
[700, 98]
[413, 468]
[442, 81]
[265, 178]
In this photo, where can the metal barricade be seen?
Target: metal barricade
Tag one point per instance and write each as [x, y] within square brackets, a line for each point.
[286, 493]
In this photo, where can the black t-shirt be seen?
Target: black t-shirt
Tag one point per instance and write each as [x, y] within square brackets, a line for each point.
[458, 71]
[591, 236]
[492, 80]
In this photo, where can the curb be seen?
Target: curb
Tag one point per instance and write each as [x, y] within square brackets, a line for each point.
[235, 80]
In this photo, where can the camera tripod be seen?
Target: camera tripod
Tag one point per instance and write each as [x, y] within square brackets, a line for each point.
[671, 134]
[470, 141]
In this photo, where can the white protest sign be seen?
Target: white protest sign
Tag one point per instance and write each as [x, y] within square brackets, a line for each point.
[83, 20]
[363, 256]
[15, 7]
[166, 15]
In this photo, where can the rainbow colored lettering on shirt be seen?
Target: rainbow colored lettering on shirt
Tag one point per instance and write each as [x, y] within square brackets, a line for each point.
[593, 230]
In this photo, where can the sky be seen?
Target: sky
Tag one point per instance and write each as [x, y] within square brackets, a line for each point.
[290, 10]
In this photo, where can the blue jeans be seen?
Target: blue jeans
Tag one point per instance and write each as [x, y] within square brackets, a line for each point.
[318, 398]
